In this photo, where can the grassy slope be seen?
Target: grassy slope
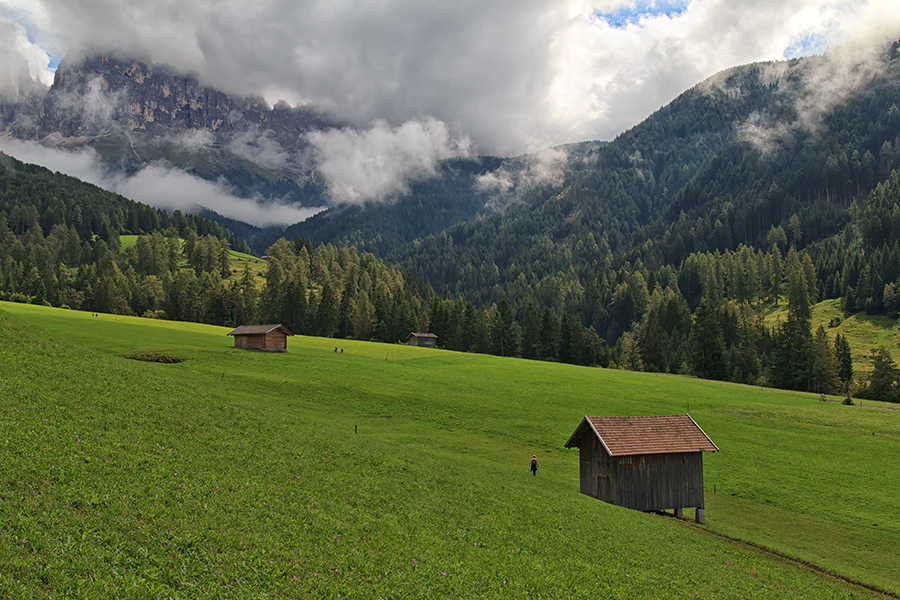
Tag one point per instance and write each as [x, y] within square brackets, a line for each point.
[237, 474]
[864, 332]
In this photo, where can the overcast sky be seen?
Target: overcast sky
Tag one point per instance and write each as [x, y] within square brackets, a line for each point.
[510, 75]
[425, 80]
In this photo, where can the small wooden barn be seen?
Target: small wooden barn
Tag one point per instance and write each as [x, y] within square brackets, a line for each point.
[428, 340]
[643, 463]
[271, 338]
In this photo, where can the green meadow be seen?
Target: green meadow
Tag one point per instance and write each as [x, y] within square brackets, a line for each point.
[386, 471]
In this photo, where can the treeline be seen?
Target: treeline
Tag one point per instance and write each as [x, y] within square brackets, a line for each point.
[147, 279]
[183, 276]
[704, 318]
[340, 292]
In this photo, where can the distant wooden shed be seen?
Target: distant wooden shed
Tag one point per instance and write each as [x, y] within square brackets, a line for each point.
[643, 463]
[429, 340]
[271, 338]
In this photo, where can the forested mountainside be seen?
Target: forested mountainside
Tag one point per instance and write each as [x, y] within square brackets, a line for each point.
[723, 165]
[460, 191]
[58, 235]
[431, 206]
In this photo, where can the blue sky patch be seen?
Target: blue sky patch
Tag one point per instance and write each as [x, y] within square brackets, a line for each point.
[35, 35]
[627, 15]
[811, 44]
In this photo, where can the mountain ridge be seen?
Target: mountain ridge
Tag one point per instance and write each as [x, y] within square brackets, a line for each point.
[134, 113]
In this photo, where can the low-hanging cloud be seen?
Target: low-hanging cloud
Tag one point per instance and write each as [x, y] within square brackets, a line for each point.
[160, 185]
[379, 162]
[827, 81]
[547, 166]
[514, 75]
[260, 148]
[165, 187]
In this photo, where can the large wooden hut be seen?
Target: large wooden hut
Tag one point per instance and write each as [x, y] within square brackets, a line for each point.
[644, 463]
[271, 338]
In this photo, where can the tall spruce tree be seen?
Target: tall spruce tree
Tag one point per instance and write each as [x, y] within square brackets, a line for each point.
[884, 378]
[531, 333]
[824, 378]
[793, 356]
[501, 331]
[707, 345]
[844, 360]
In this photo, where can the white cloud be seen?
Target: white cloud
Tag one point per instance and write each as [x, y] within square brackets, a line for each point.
[159, 185]
[168, 188]
[514, 75]
[828, 81]
[194, 140]
[378, 162]
[23, 65]
[261, 148]
[546, 166]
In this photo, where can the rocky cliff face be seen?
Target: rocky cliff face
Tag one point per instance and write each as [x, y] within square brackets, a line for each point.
[133, 112]
[101, 94]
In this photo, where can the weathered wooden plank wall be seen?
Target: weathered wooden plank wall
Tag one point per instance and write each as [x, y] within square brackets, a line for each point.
[642, 482]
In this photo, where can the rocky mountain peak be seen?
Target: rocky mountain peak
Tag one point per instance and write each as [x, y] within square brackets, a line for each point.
[133, 112]
[102, 94]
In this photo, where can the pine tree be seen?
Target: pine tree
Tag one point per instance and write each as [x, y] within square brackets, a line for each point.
[707, 346]
[824, 370]
[793, 358]
[346, 310]
[844, 360]
[327, 312]
[501, 331]
[549, 335]
[531, 333]
[363, 318]
[883, 380]
[564, 346]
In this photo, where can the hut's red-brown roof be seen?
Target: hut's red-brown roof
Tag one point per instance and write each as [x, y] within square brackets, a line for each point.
[257, 330]
[627, 436]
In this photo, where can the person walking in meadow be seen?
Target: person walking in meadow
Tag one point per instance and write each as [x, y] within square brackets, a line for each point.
[534, 464]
